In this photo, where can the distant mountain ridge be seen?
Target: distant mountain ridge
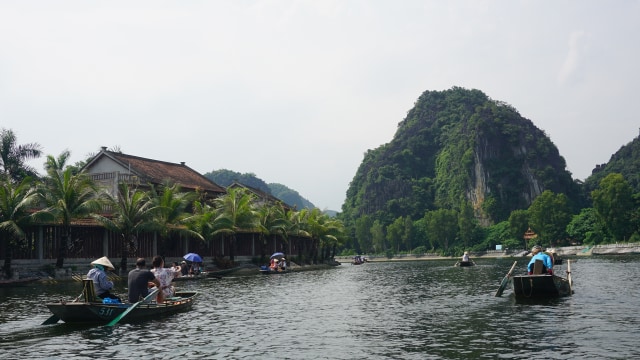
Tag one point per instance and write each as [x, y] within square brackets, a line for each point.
[225, 177]
[456, 148]
[625, 161]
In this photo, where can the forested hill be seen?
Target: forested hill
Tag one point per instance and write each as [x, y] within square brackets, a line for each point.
[625, 161]
[458, 149]
[224, 177]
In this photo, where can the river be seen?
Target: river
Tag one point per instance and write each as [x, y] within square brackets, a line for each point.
[380, 310]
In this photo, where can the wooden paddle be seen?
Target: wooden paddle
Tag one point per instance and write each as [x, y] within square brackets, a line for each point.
[505, 280]
[569, 277]
[145, 300]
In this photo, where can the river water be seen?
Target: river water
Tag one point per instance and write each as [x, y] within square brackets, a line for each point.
[380, 310]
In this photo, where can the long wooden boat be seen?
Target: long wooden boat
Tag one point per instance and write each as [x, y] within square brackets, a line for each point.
[265, 270]
[101, 313]
[543, 285]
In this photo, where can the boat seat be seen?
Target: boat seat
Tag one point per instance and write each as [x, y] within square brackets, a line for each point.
[89, 291]
[538, 267]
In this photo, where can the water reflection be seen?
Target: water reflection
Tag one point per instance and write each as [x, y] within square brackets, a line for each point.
[403, 310]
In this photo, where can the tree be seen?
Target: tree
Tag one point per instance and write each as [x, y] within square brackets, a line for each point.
[442, 227]
[13, 157]
[519, 224]
[171, 213]
[613, 202]
[586, 227]
[364, 243]
[394, 234]
[16, 204]
[466, 224]
[68, 197]
[272, 220]
[132, 213]
[377, 237]
[236, 211]
[549, 216]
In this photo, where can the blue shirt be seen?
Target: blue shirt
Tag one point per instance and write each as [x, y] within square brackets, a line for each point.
[546, 260]
[100, 281]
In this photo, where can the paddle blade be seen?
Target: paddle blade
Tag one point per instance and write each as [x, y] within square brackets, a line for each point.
[53, 319]
[145, 300]
[505, 280]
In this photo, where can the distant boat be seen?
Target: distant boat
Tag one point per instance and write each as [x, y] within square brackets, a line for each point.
[465, 263]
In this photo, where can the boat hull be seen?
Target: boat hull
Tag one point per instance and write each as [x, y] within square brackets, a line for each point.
[272, 272]
[465, 263]
[84, 312]
[540, 286]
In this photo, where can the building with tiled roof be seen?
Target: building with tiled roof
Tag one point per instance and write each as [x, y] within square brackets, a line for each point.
[108, 168]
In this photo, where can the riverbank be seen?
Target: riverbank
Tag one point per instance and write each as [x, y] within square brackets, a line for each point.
[580, 250]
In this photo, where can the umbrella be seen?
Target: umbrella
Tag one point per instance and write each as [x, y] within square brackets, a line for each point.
[277, 255]
[193, 257]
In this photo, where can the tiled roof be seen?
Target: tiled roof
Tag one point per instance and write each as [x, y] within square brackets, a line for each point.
[158, 172]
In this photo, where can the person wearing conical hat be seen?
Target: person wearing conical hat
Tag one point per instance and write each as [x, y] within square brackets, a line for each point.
[101, 283]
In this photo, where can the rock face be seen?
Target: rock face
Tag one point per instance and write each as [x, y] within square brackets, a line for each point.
[458, 147]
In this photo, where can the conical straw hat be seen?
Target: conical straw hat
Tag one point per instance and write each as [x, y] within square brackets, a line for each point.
[104, 261]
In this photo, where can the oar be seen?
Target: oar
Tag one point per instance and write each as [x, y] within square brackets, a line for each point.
[569, 276]
[506, 279]
[53, 319]
[145, 300]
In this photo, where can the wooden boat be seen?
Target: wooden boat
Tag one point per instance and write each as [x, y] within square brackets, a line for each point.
[202, 275]
[358, 260]
[465, 263]
[97, 312]
[541, 285]
[269, 271]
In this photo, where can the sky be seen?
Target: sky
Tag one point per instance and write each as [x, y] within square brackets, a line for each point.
[296, 92]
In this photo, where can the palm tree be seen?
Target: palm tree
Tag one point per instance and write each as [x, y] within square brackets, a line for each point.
[68, 197]
[57, 163]
[132, 212]
[236, 212]
[172, 216]
[202, 220]
[324, 231]
[13, 157]
[273, 221]
[17, 202]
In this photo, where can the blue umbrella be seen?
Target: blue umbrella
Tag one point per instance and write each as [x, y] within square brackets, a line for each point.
[277, 255]
[193, 257]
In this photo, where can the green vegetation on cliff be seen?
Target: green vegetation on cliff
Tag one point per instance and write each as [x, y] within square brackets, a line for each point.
[460, 151]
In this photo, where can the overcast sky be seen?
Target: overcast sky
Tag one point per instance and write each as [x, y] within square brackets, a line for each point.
[297, 91]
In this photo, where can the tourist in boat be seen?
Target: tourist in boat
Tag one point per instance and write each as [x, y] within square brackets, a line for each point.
[176, 268]
[283, 264]
[465, 257]
[101, 283]
[138, 281]
[165, 276]
[184, 268]
[539, 255]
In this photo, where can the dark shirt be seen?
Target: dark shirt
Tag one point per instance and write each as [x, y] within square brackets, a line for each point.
[138, 284]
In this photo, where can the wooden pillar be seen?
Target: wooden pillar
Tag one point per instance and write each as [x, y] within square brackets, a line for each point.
[40, 243]
[105, 243]
[154, 246]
